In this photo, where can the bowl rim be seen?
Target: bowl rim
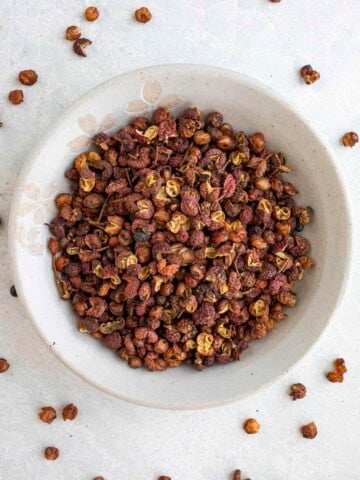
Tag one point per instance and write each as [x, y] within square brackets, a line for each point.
[246, 80]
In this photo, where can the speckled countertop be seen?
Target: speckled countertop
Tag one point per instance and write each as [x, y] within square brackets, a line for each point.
[113, 438]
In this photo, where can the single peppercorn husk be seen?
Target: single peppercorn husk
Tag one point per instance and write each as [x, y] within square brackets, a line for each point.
[340, 366]
[309, 74]
[51, 453]
[73, 32]
[143, 15]
[257, 142]
[4, 365]
[135, 362]
[70, 412]
[337, 376]
[16, 97]
[91, 14]
[80, 45]
[297, 391]
[28, 77]
[201, 137]
[251, 426]
[350, 139]
[309, 431]
[47, 414]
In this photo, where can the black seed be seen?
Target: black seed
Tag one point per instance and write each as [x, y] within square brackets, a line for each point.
[13, 292]
[141, 235]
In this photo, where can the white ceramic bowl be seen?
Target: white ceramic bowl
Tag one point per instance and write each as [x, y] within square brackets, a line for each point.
[247, 105]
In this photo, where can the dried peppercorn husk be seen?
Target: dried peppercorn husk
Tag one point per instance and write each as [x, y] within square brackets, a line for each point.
[297, 391]
[179, 242]
[47, 414]
[309, 431]
[51, 453]
[337, 376]
[4, 365]
[69, 412]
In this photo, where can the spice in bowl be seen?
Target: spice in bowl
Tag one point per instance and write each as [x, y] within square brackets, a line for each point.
[179, 242]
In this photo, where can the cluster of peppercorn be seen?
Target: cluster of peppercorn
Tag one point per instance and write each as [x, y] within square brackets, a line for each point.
[73, 33]
[48, 415]
[179, 242]
[26, 77]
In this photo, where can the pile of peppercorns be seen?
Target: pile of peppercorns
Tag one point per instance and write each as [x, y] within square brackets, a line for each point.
[179, 243]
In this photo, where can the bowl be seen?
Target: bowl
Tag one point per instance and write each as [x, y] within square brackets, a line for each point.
[246, 104]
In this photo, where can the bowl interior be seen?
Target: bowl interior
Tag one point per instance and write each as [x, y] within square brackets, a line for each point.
[248, 106]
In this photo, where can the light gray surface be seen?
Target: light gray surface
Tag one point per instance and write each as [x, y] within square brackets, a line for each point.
[115, 439]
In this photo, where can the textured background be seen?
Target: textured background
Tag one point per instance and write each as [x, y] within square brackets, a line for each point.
[110, 437]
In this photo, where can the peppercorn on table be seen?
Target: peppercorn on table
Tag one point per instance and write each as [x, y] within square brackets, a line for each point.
[104, 436]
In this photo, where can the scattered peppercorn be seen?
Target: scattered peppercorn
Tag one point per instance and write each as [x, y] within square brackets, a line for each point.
[69, 412]
[1, 124]
[4, 365]
[174, 253]
[237, 475]
[80, 45]
[143, 15]
[350, 139]
[163, 477]
[251, 426]
[340, 366]
[297, 391]
[309, 430]
[28, 77]
[47, 414]
[275, 1]
[91, 14]
[51, 453]
[16, 97]
[337, 376]
[13, 291]
[309, 74]
[73, 33]
[99, 478]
